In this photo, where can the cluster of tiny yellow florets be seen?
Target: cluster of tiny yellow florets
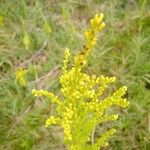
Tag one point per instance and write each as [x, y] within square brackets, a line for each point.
[96, 26]
[82, 107]
[50, 95]
[90, 35]
[21, 77]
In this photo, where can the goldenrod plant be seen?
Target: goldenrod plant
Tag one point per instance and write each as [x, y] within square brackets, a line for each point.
[82, 106]
[21, 75]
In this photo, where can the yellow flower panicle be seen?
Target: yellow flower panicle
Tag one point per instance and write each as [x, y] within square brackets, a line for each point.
[90, 34]
[82, 106]
[96, 23]
[102, 140]
[21, 77]
[50, 95]
[103, 83]
[52, 121]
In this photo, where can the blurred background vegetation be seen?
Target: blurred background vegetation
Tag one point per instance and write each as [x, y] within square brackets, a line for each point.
[33, 36]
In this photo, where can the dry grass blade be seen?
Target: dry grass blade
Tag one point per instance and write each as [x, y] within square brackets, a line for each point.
[34, 58]
[43, 80]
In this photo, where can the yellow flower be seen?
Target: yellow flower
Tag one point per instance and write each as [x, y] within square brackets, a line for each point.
[97, 23]
[102, 140]
[50, 95]
[21, 77]
[52, 121]
[66, 59]
[81, 107]
[90, 34]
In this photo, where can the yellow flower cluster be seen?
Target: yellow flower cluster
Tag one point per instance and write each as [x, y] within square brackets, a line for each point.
[52, 121]
[67, 113]
[96, 26]
[102, 140]
[98, 107]
[90, 34]
[21, 77]
[66, 123]
[66, 59]
[54, 99]
[73, 147]
[81, 107]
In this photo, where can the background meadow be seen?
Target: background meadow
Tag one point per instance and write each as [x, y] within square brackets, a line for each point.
[34, 35]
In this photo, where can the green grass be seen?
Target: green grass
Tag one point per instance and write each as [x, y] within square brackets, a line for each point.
[122, 50]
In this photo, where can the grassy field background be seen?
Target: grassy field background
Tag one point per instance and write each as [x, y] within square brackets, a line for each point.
[122, 50]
